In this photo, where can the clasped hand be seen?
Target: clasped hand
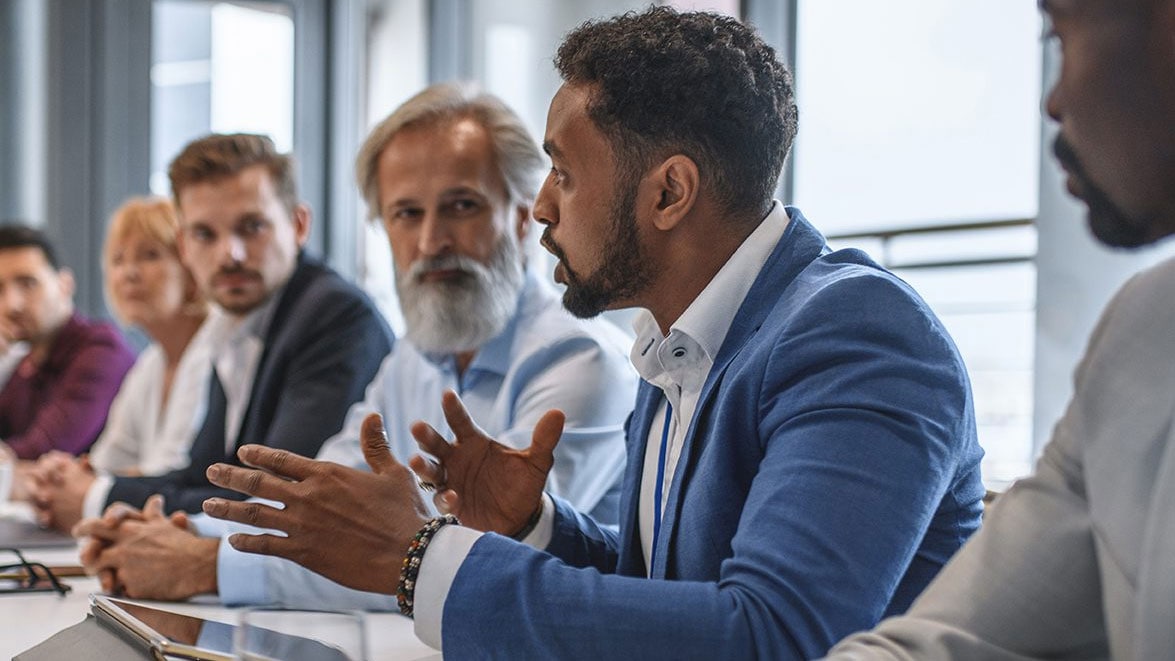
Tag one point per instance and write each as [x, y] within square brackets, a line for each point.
[57, 486]
[137, 553]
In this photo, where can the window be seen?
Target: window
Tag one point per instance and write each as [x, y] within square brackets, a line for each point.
[919, 143]
[221, 67]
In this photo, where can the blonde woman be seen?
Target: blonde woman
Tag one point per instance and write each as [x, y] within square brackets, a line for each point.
[162, 401]
[160, 406]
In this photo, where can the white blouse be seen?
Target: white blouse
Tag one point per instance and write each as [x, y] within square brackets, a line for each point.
[142, 435]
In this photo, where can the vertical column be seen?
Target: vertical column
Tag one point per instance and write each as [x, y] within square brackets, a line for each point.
[97, 126]
[449, 39]
[22, 111]
[775, 20]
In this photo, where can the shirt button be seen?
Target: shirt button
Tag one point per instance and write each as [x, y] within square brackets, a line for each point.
[678, 352]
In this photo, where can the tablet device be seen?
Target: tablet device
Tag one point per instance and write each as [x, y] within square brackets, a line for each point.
[161, 633]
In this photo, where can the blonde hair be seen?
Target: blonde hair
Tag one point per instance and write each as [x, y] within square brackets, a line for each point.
[152, 218]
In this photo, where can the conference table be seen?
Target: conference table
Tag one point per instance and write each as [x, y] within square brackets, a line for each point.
[28, 619]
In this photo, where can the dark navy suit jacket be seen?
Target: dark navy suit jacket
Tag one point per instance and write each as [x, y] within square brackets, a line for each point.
[323, 346]
[830, 470]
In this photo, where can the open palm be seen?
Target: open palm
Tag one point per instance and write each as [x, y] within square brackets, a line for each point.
[487, 485]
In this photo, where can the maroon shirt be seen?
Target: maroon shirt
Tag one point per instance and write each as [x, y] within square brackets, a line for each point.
[62, 405]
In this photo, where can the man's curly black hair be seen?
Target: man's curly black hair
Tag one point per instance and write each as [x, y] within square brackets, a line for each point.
[699, 84]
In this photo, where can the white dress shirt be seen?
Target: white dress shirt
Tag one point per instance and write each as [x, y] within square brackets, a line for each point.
[142, 432]
[237, 345]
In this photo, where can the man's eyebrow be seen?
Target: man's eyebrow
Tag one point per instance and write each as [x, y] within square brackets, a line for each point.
[551, 150]
[400, 201]
[461, 190]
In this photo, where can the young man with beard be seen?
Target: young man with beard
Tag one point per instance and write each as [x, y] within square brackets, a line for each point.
[69, 367]
[1078, 560]
[802, 456]
[293, 343]
[450, 174]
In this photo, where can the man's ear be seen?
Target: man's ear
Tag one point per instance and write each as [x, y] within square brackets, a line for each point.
[676, 184]
[181, 245]
[521, 222]
[66, 281]
[301, 220]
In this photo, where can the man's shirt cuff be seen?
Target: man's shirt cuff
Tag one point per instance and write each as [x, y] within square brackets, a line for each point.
[540, 537]
[94, 503]
[240, 577]
[443, 558]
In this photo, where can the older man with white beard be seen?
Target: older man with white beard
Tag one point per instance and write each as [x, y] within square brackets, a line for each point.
[450, 174]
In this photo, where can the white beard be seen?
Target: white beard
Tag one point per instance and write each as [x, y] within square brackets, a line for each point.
[463, 314]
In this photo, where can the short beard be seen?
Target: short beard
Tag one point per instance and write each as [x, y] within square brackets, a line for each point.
[1107, 221]
[624, 271]
[463, 314]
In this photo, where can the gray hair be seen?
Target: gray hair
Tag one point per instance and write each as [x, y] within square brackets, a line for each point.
[515, 152]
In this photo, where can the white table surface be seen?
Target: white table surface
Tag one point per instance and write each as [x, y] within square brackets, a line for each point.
[28, 619]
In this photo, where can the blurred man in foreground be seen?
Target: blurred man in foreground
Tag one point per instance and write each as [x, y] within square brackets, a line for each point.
[1078, 561]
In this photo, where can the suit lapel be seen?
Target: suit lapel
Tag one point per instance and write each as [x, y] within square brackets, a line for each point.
[263, 394]
[800, 245]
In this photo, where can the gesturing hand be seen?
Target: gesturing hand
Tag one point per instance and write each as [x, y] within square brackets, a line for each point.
[487, 485]
[349, 525]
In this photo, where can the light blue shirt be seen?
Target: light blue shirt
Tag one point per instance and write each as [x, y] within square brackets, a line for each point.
[544, 359]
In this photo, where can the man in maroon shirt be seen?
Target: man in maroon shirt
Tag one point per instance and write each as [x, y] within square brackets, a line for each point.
[59, 393]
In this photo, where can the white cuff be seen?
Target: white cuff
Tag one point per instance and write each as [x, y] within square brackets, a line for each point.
[540, 537]
[95, 502]
[446, 551]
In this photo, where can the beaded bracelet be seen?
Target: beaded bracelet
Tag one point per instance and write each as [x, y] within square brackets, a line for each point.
[406, 590]
[531, 524]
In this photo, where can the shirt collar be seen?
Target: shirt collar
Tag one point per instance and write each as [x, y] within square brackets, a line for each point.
[707, 319]
[232, 329]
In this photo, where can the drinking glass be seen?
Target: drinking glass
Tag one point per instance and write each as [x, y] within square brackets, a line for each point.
[270, 634]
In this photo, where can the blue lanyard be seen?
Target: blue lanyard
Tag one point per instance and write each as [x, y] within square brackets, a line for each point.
[660, 482]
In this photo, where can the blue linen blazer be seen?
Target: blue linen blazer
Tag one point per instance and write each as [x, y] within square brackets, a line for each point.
[830, 470]
[322, 348]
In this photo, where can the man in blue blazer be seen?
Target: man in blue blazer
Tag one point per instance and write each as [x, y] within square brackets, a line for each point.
[802, 456]
[294, 344]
